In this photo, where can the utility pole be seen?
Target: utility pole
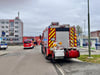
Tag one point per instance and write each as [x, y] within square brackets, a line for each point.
[89, 31]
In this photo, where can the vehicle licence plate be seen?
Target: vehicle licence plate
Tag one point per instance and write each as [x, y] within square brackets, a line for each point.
[3, 46]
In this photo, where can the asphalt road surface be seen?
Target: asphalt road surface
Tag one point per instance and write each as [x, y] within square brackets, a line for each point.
[25, 62]
[31, 62]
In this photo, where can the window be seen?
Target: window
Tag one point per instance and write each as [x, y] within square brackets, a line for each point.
[2, 22]
[16, 31]
[16, 22]
[6, 26]
[7, 39]
[17, 39]
[11, 29]
[62, 29]
[2, 26]
[16, 26]
[6, 31]
[11, 24]
[11, 33]
[27, 42]
[7, 22]
[3, 39]
[6, 35]
[16, 35]
[3, 42]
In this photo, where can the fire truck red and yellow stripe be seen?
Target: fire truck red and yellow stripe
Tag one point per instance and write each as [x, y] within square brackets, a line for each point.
[72, 37]
[52, 34]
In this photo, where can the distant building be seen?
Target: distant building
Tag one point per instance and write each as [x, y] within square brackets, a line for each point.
[96, 34]
[11, 30]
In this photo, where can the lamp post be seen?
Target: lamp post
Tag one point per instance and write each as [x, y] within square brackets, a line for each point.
[89, 31]
[84, 26]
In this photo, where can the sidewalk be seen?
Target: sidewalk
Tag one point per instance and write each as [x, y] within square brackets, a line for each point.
[84, 51]
[87, 49]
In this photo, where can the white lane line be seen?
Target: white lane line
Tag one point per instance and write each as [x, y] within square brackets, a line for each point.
[60, 69]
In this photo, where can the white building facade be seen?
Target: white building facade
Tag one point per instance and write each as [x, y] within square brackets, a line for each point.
[11, 30]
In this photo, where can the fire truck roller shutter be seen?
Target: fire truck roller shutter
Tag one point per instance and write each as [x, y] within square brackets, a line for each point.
[62, 35]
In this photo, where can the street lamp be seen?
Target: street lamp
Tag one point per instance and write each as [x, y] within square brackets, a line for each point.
[89, 31]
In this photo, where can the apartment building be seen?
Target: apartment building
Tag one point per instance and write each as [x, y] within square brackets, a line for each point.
[11, 30]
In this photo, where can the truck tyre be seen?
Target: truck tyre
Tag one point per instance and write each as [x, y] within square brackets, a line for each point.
[79, 53]
[45, 54]
[42, 49]
[53, 57]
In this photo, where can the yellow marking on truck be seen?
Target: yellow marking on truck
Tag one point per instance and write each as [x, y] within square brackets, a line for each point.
[75, 44]
[72, 28]
[75, 37]
[49, 41]
[51, 28]
[72, 38]
[72, 35]
[72, 32]
[52, 31]
[72, 45]
[52, 35]
[51, 46]
[75, 41]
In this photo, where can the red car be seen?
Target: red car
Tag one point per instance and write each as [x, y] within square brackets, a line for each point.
[28, 43]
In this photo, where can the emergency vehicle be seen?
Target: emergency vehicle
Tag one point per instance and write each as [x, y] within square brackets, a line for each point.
[59, 42]
[28, 43]
[3, 45]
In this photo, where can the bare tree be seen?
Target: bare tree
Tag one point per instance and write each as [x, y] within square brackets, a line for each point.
[78, 30]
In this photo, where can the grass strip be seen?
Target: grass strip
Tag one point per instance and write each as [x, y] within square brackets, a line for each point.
[95, 59]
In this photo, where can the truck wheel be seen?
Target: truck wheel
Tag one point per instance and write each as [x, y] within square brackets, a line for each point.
[53, 57]
[79, 53]
[45, 54]
[42, 50]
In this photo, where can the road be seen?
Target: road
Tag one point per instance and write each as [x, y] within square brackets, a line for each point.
[25, 62]
[31, 62]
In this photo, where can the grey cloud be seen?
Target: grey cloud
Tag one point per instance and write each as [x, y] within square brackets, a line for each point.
[37, 14]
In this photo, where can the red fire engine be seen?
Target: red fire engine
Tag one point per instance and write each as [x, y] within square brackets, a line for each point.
[59, 42]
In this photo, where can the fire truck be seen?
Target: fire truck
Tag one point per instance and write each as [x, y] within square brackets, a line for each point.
[59, 42]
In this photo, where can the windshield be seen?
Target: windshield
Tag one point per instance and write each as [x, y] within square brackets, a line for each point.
[3, 42]
[27, 41]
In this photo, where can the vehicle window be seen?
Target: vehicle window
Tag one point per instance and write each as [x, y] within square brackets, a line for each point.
[3, 42]
[27, 41]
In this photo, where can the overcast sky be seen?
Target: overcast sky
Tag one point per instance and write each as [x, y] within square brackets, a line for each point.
[38, 14]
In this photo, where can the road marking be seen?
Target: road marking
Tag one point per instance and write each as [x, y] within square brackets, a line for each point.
[60, 69]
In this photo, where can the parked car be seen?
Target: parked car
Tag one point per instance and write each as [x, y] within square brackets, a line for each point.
[28, 43]
[3, 45]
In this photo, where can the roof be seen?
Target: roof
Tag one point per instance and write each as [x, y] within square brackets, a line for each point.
[95, 31]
